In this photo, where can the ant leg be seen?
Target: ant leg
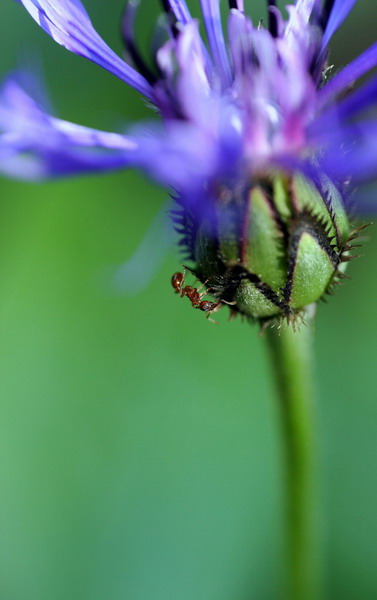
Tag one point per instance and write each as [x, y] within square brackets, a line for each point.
[212, 320]
[182, 292]
[205, 293]
[203, 284]
[214, 308]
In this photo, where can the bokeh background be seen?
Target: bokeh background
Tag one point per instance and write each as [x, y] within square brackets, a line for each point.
[140, 450]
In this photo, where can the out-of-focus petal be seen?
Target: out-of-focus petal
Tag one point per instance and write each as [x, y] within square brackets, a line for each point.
[301, 36]
[32, 163]
[238, 28]
[179, 10]
[351, 153]
[212, 20]
[350, 107]
[339, 13]
[349, 75]
[68, 23]
[34, 144]
[134, 275]
[180, 155]
[193, 87]
[304, 10]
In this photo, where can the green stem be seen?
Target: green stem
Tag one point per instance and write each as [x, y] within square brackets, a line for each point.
[291, 354]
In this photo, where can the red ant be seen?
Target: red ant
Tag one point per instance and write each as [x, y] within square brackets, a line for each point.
[177, 282]
[192, 293]
[194, 296]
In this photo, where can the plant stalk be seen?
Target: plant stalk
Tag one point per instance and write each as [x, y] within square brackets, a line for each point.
[291, 356]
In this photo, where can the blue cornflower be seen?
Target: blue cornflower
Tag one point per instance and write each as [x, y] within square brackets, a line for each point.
[255, 140]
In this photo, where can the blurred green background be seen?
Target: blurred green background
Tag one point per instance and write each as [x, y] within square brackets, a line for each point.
[140, 454]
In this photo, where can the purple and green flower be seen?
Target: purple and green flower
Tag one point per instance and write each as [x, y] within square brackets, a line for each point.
[262, 146]
[258, 141]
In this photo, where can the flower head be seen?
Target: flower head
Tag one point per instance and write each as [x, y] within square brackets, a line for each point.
[259, 146]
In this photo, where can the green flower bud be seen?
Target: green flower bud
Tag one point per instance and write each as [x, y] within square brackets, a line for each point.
[277, 247]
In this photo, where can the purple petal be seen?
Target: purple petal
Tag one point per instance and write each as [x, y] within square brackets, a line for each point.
[237, 4]
[192, 84]
[182, 157]
[67, 22]
[212, 19]
[351, 107]
[34, 144]
[294, 164]
[347, 76]
[179, 10]
[128, 35]
[305, 8]
[239, 35]
[339, 13]
[35, 164]
[349, 151]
